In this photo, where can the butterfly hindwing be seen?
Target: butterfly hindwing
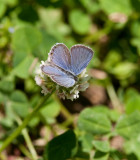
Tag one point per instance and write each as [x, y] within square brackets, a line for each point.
[65, 81]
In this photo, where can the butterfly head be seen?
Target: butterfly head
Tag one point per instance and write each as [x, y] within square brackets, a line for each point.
[76, 78]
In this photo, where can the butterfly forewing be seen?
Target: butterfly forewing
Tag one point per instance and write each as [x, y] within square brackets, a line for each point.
[80, 57]
[52, 70]
[60, 56]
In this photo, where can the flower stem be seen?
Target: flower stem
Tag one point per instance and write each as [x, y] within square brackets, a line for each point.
[64, 110]
[25, 122]
[25, 151]
[27, 139]
[114, 98]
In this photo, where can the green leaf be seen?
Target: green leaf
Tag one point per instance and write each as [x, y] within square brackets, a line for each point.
[19, 103]
[91, 6]
[18, 57]
[128, 125]
[93, 122]
[80, 21]
[61, 147]
[53, 22]
[80, 155]
[131, 157]
[101, 156]
[132, 146]
[130, 92]
[30, 85]
[22, 109]
[124, 70]
[133, 104]
[101, 108]
[50, 110]
[22, 70]
[9, 111]
[7, 85]
[135, 42]
[2, 8]
[26, 39]
[7, 122]
[102, 146]
[111, 6]
[116, 155]
[136, 5]
[19, 96]
[86, 142]
[3, 41]
[110, 62]
[3, 98]
[11, 2]
[43, 49]
[135, 28]
[112, 114]
[34, 122]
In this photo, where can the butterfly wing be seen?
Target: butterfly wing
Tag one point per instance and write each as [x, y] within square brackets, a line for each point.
[74, 61]
[60, 56]
[52, 70]
[65, 81]
[80, 57]
[58, 76]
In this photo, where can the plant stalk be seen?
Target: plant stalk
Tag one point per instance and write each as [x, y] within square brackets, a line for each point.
[113, 97]
[27, 139]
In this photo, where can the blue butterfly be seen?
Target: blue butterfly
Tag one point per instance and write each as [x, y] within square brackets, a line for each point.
[65, 65]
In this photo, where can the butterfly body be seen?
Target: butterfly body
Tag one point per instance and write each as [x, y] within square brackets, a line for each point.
[64, 66]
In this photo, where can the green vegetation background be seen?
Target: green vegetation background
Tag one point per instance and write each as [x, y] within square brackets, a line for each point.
[28, 30]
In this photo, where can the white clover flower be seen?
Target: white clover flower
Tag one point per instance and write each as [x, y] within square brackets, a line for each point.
[38, 80]
[44, 91]
[50, 74]
[83, 74]
[72, 93]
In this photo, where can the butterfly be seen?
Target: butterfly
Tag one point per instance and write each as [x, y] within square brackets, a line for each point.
[64, 65]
